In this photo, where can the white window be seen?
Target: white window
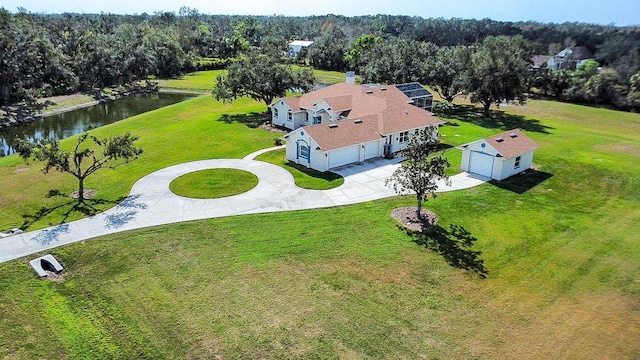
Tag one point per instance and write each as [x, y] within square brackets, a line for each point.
[317, 120]
[306, 116]
[517, 163]
[404, 136]
[289, 116]
[275, 112]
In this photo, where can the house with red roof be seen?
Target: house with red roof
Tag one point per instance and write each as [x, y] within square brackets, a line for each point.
[499, 156]
[346, 123]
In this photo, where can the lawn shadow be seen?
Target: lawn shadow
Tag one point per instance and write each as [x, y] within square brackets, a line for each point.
[454, 244]
[497, 119]
[523, 182]
[88, 208]
[252, 120]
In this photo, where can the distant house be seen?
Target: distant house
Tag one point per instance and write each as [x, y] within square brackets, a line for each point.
[499, 156]
[538, 61]
[345, 123]
[297, 45]
[570, 58]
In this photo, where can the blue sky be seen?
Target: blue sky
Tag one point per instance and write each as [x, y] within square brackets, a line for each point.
[619, 12]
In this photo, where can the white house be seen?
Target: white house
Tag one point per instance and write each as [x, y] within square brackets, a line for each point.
[297, 45]
[344, 123]
[345, 100]
[498, 156]
[570, 58]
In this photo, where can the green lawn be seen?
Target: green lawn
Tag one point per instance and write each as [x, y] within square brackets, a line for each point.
[196, 129]
[303, 177]
[345, 282]
[199, 81]
[213, 183]
[204, 80]
[332, 77]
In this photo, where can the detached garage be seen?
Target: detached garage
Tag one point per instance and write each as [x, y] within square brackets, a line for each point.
[499, 156]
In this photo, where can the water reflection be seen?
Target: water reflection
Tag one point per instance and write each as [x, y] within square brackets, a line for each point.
[70, 123]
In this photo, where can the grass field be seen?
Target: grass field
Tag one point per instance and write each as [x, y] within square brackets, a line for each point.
[203, 80]
[213, 183]
[200, 81]
[561, 248]
[303, 177]
[196, 129]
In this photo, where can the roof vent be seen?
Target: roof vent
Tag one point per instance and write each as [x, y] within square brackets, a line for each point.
[406, 112]
[513, 135]
[369, 91]
[357, 121]
[499, 139]
[333, 126]
[383, 89]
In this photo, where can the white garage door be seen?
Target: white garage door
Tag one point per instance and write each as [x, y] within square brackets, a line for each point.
[481, 164]
[371, 150]
[344, 156]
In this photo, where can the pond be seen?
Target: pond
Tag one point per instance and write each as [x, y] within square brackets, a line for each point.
[74, 122]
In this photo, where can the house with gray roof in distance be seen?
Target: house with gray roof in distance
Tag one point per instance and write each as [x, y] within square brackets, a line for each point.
[570, 58]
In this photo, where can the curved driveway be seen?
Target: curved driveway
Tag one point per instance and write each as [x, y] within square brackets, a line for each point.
[151, 203]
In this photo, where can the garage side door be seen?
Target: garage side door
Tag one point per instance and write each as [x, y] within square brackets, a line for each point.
[344, 156]
[481, 164]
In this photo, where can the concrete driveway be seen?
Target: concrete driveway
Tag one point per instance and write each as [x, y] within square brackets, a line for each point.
[151, 203]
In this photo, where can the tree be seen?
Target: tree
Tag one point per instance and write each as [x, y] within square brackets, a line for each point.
[449, 72]
[328, 51]
[421, 169]
[634, 91]
[542, 78]
[396, 61]
[363, 44]
[262, 78]
[605, 88]
[578, 79]
[499, 71]
[84, 160]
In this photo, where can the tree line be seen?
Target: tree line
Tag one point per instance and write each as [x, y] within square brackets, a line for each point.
[45, 55]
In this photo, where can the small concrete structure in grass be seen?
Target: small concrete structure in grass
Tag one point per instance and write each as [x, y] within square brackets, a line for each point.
[46, 263]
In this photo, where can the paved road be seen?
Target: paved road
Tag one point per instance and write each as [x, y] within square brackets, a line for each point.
[151, 203]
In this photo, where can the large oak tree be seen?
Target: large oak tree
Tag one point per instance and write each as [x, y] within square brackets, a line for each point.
[499, 71]
[261, 78]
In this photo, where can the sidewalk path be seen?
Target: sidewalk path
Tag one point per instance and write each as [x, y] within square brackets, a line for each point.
[151, 203]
